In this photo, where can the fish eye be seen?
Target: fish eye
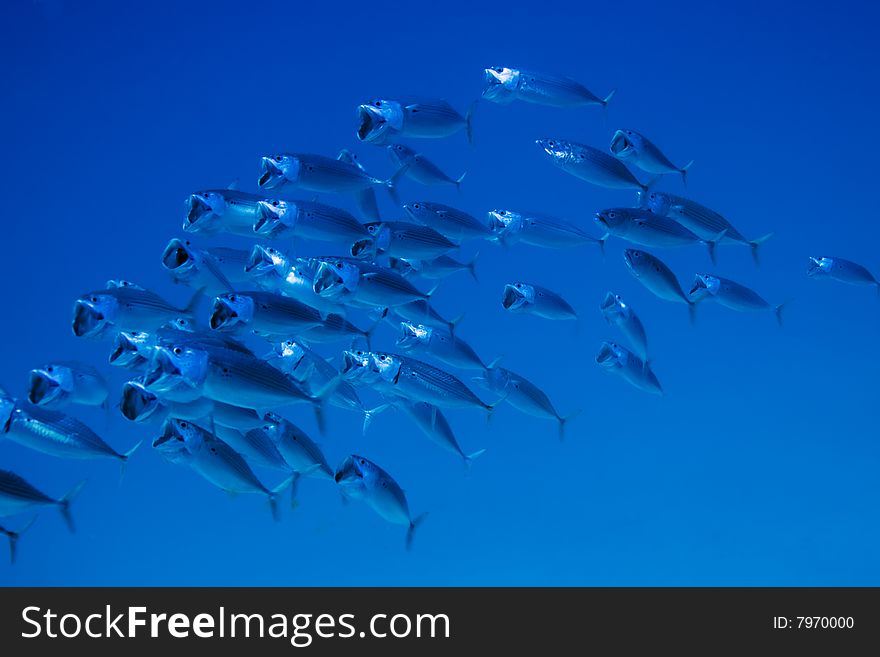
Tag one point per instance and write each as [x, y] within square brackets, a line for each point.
[232, 297]
[551, 143]
[181, 322]
[499, 70]
[277, 158]
[94, 299]
[183, 425]
[178, 351]
[275, 203]
[378, 103]
[50, 368]
[611, 215]
[363, 462]
[629, 132]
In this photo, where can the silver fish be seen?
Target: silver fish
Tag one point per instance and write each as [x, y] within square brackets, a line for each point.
[361, 479]
[529, 299]
[265, 313]
[435, 426]
[301, 453]
[841, 270]
[420, 168]
[619, 313]
[631, 146]
[214, 211]
[402, 239]
[62, 382]
[293, 277]
[366, 199]
[419, 312]
[438, 268]
[455, 224]
[381, 121]
[731, 294]
[19, 496]
[521, 393]
[510, 227]
[651, 272]
[308, 220]
[590, 164]
[618, 360]
[352, 281]
[138, 404]
[438, 342]
[648, 229]
[194, 267]
[504, 85]
[255, 447]
[126, 308]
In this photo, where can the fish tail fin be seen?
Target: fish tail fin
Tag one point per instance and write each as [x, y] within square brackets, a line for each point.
[64, 505]
[777, 311]
[755, 244]
[190, 309]
[370, 413]
[123, 459]
[470, 458]
[472, 267]
[368, 334]
[391, 183]
[713, 243]
[469, 121]
[13, 539]
[320, 418]
[601, 242]
[692, 312]
[608, 98]
[459, 180]
[563, 422]
[413, 526]
[272, 495]
[683, 171]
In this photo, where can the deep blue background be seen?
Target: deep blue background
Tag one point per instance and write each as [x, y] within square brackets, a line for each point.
[759, 466]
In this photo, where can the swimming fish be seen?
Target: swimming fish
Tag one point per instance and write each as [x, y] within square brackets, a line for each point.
[352, 281]
[138, 404]
[455, 224]
[309, 220]
[420, 168]
[731, 294]
[590, 164]
[402, 239]
[194, 267]
[619, 313]
[510, 227]
[618, 360]
[214, 211]
[19, 496]
[381, 121]
[437, 268]
[504, 85]
[529, 299]
[841, 270]
[521, 393]
[648, 229]
[361, 479]
[366, 198]
[265, 313]
[272, 270]
[651, 272]
[440, 343]
[67, 381]
[631, 146]
[301, 453]
[435, 426]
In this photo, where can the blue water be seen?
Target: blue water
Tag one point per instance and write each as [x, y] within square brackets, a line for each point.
[758, 465]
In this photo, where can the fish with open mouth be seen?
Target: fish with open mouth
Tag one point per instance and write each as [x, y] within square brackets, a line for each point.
[125, 308]
[648, 229]
[618, 360]
[510, 227]
[619, 313]
[382, 121]
[138, 404]
[401, 239]
[194, 267]
[439, 342]
[704, 222]
[845, 271]
[52, 432]
[454, 223]
[653, 273]
[731, 294]
[17, 495]
[590, 164]
[521, 393]
[265, 313]
[63, 382]
[361, 479]
[631, 146]
[319, 173]
[214, 211]
[309, 220]
[213, 459]
[360, 283]
[365, 199]
[530, 299]
[420, 168]
[503, 85]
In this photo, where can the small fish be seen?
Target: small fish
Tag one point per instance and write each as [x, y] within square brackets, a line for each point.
[435, 426]
[308, 220]
[504, 85]
[455, 224]
[381, 121]
[402, 239]
[318, 173]
[366, 199]
[361, 479]
[651, 272]
[52, 432]
[419, 312]
[420, 168]
[14, 537]
[67, 382]
[590, 164]
[438, 268]
[293, 277]
[265, 313]
[301, 453]
[648, 229]
[731, 294]
[138, 404]
[194, 267]
[630, 146]
[214, 460]
[521, 393]
[254, 446]
[841, 270]
[351, 281]
[699, 219]
[619, 313]
[214, 211]
[618, 360]
[125, 308]
[529, 299]
[19, 496]
[440, 343]
[537, 229]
